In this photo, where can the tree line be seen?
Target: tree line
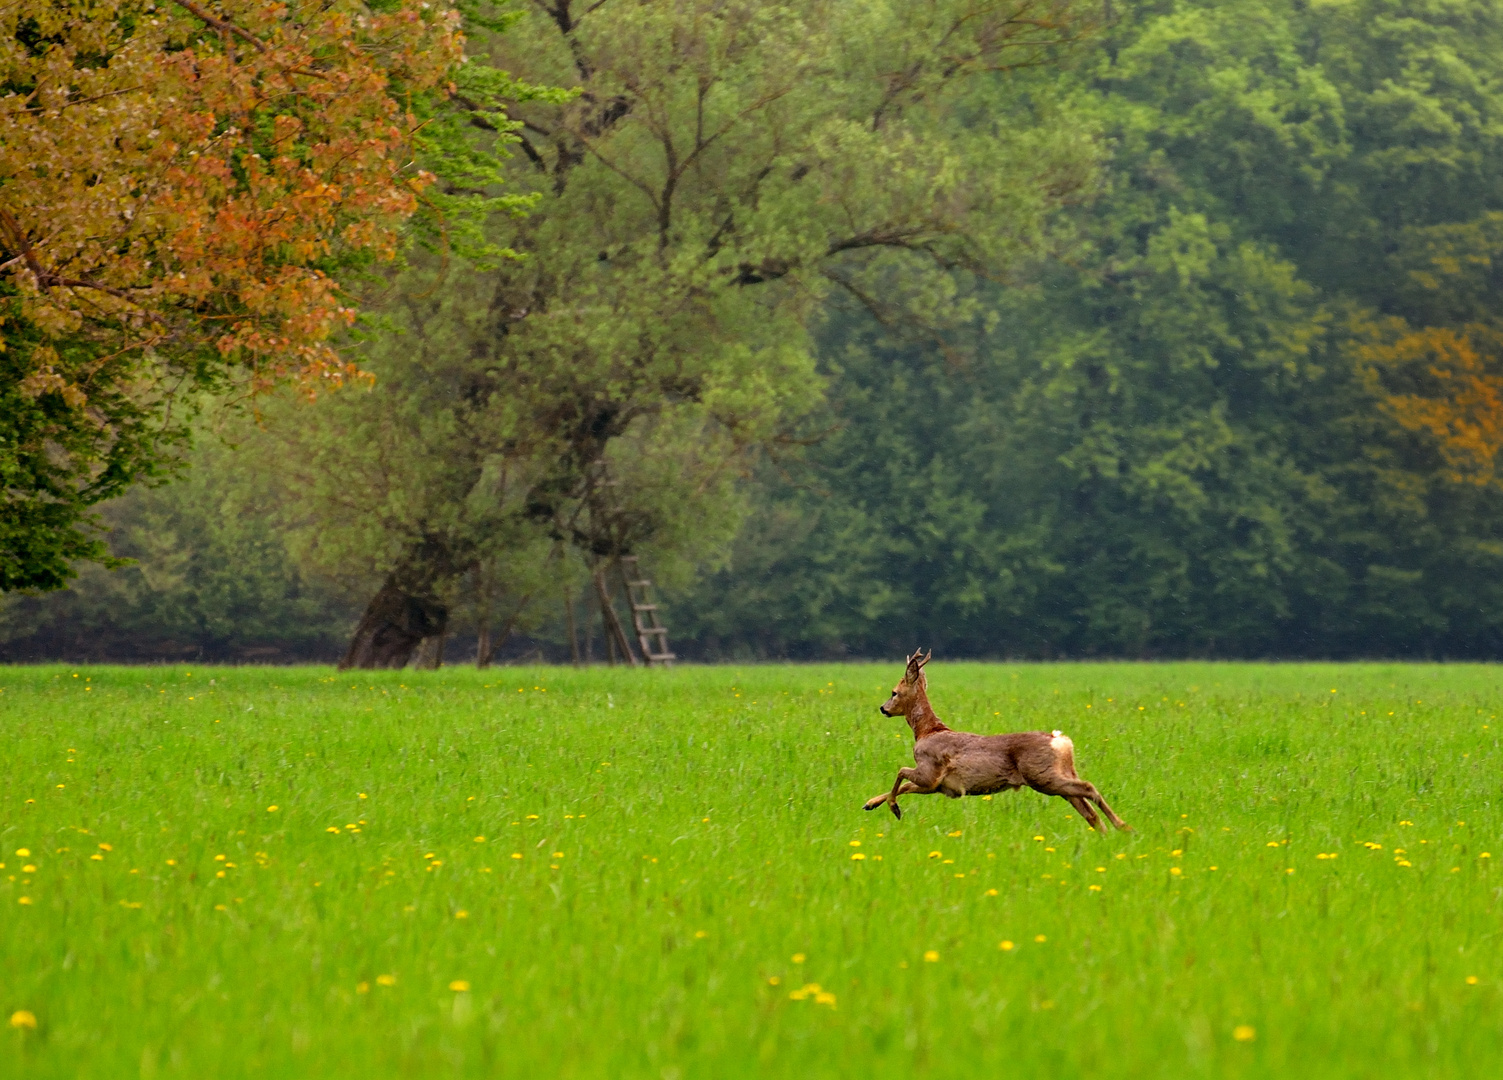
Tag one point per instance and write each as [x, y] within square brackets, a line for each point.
[1024, 329]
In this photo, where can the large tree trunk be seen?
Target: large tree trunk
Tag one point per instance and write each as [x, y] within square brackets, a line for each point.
[394, 624]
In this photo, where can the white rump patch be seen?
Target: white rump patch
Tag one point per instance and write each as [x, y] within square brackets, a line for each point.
[1061, 743]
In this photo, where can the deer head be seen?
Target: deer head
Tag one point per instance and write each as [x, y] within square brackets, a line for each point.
[910, 687]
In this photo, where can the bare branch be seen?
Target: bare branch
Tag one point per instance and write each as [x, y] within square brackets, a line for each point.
[222, 25]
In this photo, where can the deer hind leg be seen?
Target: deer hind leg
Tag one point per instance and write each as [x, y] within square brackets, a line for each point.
[1111, 814]
[1074, 788]
[1084, 809]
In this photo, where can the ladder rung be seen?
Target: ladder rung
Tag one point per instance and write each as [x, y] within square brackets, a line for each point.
[662, 656]
[652, 630]
[638, 584]
[644, 607]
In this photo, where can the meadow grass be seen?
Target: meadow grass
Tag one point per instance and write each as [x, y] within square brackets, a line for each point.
[243, 872]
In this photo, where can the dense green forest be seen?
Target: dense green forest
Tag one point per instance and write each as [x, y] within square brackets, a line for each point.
[1172, 332]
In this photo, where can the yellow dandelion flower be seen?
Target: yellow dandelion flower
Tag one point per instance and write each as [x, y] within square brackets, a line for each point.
[30, 869]
[461, 914]
[931, 957]
[955, 833]
[1174, 870]
[273, 808]
[855, 843]
[824, 997]
[935, 854]
[857, 857]
[459, 986]
[23, 900]
[1471, 980]
[1095, 888]
[1040, 938]
[773, 980]
[1244, 1033]
[362, 988]
[991, 892]
[23, 1018]
[105, 847]
[479, 839]
[23, 852]
[798, 958]
[701, 933]
[516, 854]
[1006, 946]
[386, 980]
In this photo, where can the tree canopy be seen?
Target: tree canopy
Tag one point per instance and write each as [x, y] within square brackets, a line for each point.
[1170, 332]
[702, 179]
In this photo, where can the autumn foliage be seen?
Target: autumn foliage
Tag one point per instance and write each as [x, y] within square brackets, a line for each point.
[1447, 385]
[181, 187]
[175, 176]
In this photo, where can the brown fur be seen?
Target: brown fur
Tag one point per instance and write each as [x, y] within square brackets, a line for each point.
[956, 763]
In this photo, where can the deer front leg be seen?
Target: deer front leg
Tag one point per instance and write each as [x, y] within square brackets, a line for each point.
[923, 781]
[877, 800]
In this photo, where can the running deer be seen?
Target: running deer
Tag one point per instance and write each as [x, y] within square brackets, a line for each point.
[956, 763]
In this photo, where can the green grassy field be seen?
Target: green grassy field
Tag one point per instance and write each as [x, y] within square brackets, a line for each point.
[607, 873]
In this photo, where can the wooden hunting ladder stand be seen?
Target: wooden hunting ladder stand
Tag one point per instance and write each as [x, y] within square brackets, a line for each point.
[652, 635]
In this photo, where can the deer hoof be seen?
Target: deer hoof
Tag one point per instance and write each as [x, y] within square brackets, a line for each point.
[897, 811]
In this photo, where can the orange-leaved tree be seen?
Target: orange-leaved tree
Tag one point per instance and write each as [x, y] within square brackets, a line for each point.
[182, 185]
[1445, 383]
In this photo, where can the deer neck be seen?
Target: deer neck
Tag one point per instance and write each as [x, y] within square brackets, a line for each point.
[921, 718]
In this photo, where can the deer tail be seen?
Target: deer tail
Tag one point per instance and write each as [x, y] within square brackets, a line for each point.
[1064, 752]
